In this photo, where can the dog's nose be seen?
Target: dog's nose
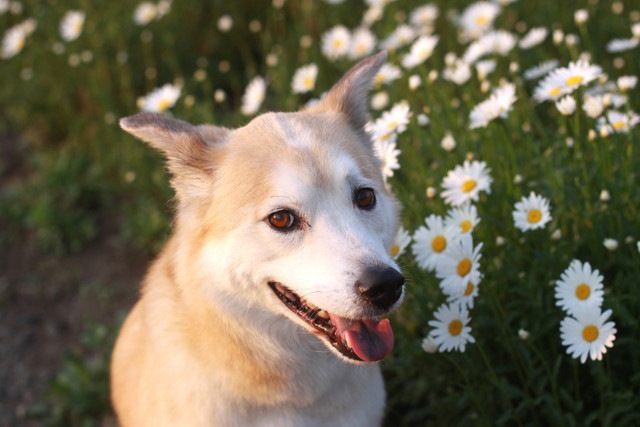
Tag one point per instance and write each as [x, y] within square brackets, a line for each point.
[380, 286]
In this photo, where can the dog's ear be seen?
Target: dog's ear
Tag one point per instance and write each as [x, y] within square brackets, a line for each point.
[349, 95]
[190, 150]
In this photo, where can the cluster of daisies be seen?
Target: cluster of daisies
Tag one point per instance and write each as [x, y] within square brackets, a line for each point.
[601, 102]
[445, 246]
[586, 331]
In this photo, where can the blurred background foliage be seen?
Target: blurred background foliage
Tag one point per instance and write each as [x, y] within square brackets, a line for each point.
[69, 170]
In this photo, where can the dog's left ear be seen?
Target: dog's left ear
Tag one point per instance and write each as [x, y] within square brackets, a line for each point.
[349, 95]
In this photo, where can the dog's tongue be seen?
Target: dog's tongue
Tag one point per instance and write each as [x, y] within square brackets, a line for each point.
[370, 340]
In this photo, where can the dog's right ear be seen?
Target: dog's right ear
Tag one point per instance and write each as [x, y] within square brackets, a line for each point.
[190, 150]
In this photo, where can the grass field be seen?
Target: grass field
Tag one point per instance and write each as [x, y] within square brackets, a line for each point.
[515, 118]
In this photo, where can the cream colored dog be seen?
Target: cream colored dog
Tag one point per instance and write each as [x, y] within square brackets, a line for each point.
[265, 307]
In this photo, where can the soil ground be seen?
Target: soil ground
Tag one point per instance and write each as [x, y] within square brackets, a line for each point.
[45, 302]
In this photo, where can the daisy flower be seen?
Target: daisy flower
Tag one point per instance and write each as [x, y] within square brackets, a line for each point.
[15, 38]
[336, 42]
[253, 96]
[160, 99]
[618, 122]
[431, 240]
[588, 334]
[420, 51]
[145, 13]
[401, 36]
[451, 330]
[579, 287]
[498, 42]
[459, 265]
[580, 16]
[459, 72]
[424, 16]
[391, 122]
[464, 217]
[531, 212]
[71, 25]
[551, 88]
[400, 243]
[593, 106]
[477, 19]
[578, 73]
[567, 105]
[626, 83]
[497, 105]
[448, 143]
[621, 45]
[387, 152]
[534, 37]
[304, 79]
[466, 298]
[428, 345]
[387, 74]
[465, 183]
[484, 68]
[610, 244]
[362, 43]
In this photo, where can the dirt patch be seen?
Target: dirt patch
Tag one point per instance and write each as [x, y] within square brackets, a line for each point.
[45, 301]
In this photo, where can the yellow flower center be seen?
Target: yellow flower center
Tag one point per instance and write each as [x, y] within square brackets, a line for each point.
[337, 44]
[464, 267]
[455, 327]
[465, 225]
[308, 82]
[469, 289]
[583, 291]
[386, 136]
[468, 185]
[534, 216]
[619, 125]
[163, 104]
[392, 125]
[394, 250]
[438, 244]
[555, 91]
[589, 333]
[574, 80]
[481, 20]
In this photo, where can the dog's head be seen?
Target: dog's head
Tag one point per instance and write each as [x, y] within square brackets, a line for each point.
[289, 215]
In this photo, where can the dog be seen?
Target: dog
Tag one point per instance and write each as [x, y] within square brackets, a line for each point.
[267, 304]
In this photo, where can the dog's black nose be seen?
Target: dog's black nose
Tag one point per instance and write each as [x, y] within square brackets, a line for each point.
[380, 286]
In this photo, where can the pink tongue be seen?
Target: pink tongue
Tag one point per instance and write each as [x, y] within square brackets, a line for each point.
[370, 340]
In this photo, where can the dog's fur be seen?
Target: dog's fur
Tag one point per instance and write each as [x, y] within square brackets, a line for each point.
[210, 343]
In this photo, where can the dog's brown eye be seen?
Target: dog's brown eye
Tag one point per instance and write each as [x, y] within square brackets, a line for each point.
[365, 198]
[282, 220]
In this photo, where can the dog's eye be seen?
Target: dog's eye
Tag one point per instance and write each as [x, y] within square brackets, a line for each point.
[365, 198]
[282, 220]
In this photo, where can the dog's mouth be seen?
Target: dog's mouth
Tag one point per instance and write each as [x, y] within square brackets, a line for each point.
[362, 340]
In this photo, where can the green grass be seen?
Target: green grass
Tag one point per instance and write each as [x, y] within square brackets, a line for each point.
[83, 168]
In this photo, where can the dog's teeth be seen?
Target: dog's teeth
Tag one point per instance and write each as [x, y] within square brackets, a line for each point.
[347, 341]
[323, 314]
